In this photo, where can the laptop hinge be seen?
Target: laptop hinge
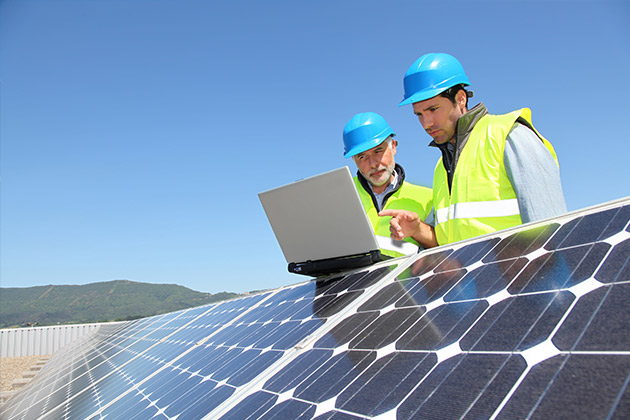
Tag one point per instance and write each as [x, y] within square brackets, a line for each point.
[333, 265]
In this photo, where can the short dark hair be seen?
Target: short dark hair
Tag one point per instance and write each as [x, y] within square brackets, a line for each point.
[452, 91]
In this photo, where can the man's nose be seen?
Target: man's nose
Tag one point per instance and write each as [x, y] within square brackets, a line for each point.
[425, 121]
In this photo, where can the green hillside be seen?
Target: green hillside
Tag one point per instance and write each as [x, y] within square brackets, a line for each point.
[96, 302]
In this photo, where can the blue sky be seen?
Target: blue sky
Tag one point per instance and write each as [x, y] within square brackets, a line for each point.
[136, 134]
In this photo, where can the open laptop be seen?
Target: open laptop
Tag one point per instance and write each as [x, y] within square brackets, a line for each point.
[320, 224]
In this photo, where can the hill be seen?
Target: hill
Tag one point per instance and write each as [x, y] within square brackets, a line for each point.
[116, 300]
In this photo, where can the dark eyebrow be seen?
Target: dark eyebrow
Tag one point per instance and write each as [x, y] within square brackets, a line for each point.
[428, 107]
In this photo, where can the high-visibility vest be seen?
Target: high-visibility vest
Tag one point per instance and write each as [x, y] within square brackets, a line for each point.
[482, 199]
[410, 197]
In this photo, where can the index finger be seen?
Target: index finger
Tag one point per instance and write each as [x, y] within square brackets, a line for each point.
[391, 212]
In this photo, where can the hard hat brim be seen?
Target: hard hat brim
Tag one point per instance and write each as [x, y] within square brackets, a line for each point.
[421, 96]
[365, 146]
[427, 94]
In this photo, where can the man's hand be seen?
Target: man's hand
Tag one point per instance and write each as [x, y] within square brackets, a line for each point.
[404, 224]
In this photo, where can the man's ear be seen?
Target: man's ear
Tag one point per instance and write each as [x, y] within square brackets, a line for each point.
[461, 99]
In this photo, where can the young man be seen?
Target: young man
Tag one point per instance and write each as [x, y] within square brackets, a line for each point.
[369, 140]
[496, 171]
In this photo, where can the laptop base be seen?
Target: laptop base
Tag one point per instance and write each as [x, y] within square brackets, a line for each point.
[334, 265]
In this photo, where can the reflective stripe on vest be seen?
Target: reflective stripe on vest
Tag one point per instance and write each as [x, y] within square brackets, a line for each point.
[400, 247]
[478, 209]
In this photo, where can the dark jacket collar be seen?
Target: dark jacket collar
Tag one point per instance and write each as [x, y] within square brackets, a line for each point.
[450, 151]
[465, 125]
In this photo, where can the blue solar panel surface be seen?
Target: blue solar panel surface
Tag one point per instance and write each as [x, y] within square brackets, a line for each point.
[527, 323]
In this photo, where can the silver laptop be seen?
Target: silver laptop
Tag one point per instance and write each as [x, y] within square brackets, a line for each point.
[320, 224]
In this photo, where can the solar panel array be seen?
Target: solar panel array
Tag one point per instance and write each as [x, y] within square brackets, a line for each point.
[530, 322]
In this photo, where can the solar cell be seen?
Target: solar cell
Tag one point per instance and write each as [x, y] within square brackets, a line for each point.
[530, 322]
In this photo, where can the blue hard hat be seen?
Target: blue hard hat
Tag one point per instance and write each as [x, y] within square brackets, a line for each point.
[431, 75]
[363, 132]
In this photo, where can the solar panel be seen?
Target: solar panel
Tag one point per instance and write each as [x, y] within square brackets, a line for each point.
[530, 322]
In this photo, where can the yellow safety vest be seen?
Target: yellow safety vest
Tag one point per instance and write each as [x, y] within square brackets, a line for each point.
[482, 199]
[408, 197]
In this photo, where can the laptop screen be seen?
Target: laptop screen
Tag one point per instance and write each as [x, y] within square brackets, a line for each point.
[320, 217]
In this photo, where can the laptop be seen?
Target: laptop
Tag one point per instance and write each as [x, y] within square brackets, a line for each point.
[320, 224]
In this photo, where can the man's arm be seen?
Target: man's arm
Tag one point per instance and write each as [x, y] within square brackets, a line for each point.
[534, 175]
[404, 224]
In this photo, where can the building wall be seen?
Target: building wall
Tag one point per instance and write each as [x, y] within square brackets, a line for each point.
[35, 341]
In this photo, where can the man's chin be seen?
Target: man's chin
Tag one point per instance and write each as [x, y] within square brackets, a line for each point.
[378, 182]
[441, 139]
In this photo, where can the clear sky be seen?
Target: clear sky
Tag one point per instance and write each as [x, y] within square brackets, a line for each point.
[136, 134]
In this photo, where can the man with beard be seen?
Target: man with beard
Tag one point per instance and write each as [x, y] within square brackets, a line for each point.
[381, 184]
[496, 171]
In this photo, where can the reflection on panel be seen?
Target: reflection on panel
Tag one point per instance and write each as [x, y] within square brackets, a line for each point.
[494, 328]
[528, 323]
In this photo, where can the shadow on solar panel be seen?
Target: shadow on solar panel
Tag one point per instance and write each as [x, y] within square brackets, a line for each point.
[530, 322]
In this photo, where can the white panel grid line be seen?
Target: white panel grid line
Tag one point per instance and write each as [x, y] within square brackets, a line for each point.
[388, 415]
[540, 352]
[325, 406]
[617, 238]
[509, 395]
[500, 296]
[385, 351]
[585, 287]
[447, 352]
